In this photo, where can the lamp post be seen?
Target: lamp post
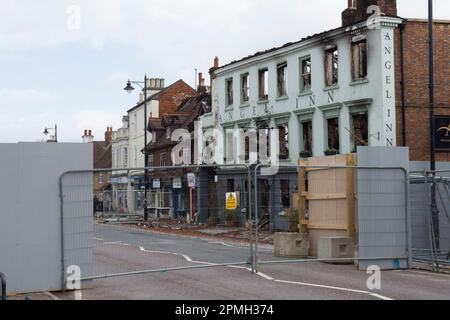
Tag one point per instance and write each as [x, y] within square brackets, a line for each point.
[129, 88]
[55, 129]
[434, 208]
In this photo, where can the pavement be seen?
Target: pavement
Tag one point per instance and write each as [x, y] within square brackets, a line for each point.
[119, 249]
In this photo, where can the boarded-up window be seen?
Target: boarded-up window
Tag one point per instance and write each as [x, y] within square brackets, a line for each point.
[360, 133]
[229, 92]
[263, 84]
[245, 89]
[305, 74]
[333, 134]
[359, 60]
[282, 79]
[331, 66]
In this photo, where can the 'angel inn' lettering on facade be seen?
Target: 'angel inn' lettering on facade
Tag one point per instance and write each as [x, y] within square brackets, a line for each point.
[325, 95]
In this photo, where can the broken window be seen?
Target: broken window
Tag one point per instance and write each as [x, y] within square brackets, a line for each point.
[331, 66]
[360, 132]
[263, 84]
[307, 137]
[282, 79]
[285, 196]
[333, 134]
[245, 88]
[229, 89]
[359, 60]
[305, 74]
[283, 131]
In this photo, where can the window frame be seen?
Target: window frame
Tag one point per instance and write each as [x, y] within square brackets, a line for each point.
[282, 91]
[355, 112]
[245, 91]
[229, 92]
[303, 89]
[263, 84]
[280, 123]
[331, 50]
[362, 59]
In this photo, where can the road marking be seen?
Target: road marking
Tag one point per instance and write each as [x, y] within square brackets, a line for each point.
[336, 288]
[51, 296]
[98, 239]
[223, 243]
[113, 242]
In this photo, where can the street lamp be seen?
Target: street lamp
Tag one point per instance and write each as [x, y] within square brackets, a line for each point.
[55, 129]
[129, 88]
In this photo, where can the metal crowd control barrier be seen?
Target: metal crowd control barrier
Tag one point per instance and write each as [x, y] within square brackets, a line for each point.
[407, 256]
[76, 203]
[431, 218]
[3, 280]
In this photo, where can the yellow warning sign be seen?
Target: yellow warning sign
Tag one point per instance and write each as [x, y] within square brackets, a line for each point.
[231, 201]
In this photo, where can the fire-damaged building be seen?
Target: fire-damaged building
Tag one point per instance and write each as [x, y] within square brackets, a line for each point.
[364, 83]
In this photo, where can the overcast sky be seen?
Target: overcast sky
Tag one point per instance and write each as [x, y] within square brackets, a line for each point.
[54, 72]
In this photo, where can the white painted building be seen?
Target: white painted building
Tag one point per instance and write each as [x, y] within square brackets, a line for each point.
[137, 129]
[327, 93]
[120, 146]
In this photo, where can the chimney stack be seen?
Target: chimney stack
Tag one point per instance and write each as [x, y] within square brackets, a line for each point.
[88, 137]
[108, 135]
[357, 10]
[212, 75]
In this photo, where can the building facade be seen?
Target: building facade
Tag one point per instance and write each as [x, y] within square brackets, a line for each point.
[102, 160]
[160, 100]
[362, 84]
[120, 146]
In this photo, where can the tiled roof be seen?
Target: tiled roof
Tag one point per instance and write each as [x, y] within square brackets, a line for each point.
[102, 155]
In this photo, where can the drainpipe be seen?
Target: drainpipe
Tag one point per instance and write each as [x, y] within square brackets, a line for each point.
[402, 82]
[3, 280]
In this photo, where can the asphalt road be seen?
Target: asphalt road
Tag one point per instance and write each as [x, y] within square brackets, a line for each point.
[119, 250]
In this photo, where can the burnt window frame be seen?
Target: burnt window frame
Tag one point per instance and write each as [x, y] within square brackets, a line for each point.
[331, 49]
[245, 90]
[302, 60]
[303, 147]
[229, 96]
[363, 58]
[353, 113]
[282, 91]
[263, 84]
[284, 122]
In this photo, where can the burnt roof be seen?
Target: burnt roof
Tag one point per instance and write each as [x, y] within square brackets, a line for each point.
[286, 45]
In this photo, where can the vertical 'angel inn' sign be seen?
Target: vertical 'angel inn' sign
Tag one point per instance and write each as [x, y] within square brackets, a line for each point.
[388, 82]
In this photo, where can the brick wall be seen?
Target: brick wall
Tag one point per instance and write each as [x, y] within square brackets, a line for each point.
[416, 85]
[170, 99]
